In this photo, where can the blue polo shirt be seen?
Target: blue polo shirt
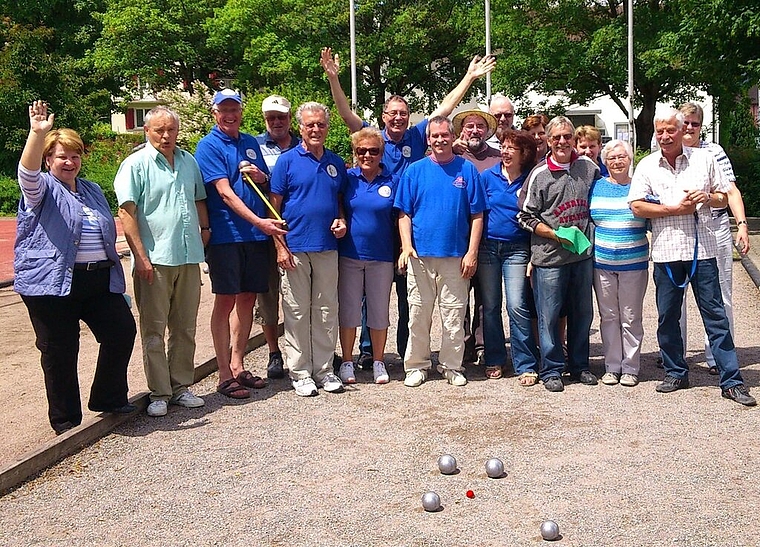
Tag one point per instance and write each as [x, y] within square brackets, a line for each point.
[441, 200]
[218, 156]
[309, 188]
[398, 156]
[501, 221]
[371, 219]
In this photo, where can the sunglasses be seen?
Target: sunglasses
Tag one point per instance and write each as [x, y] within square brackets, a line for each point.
[273, 117]
[556, 138]
[693, 124]
[372, 151]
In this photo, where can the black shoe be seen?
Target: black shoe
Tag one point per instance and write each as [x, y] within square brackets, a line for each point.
[365, 361]
[123, 409]
[712, 371]
[60, 429]
[740, 394]
[554, 383]
[671, 383]
[585, 377]
[274, 368]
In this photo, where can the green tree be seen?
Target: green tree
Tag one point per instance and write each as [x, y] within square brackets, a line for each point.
[158, 44]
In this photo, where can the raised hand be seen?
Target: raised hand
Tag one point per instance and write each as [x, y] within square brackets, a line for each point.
[481, 66]
[39, 120]
[330, 64]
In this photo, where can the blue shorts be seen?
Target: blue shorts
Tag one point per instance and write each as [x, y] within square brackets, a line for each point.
[236, 268]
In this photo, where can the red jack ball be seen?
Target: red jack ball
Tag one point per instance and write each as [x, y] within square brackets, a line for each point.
[470, 494]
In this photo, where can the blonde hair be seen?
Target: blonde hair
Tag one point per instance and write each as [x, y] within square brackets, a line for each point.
[368, 133]
[67, 138]
[588, 132]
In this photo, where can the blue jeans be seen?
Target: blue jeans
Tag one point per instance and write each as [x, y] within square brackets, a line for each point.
[706, 287]
[567, 288]
[497, 261]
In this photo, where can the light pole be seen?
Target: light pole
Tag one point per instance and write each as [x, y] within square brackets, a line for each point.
[631, 120]
[352, 31]
[488, 48]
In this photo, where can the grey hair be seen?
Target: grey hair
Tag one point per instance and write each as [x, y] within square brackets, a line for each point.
[558, 121]
[614, 143]
[158, 112]
[439, 119]
[312, 106]
[499, 96]
[667, 113]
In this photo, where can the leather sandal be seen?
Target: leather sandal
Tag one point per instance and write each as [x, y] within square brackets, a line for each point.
[249, 380]
[493, 372]
[232, 389]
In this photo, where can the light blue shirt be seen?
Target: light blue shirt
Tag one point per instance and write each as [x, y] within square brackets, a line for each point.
[165, 198]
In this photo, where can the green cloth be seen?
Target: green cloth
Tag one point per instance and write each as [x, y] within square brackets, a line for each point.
[578, 240]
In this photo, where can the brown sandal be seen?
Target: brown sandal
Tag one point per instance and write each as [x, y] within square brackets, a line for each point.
[493, 372]
[232, 389]
[528, 379]
[249, 380]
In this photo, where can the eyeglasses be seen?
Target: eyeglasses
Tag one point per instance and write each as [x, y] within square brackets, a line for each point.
[617, 158]
[360, 151]
[693, 124]
[273, 117]
[314, 125]
[395, 113]
[556, 138]
[510, 149]
[499, 115]
[473, 126]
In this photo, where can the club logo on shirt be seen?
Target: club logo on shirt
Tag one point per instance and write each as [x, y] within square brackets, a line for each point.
[384, 191]
[406, 151]
[332, 171]
[251, 153]
[459, 182]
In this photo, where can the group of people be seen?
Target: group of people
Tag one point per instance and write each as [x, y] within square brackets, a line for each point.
[533, 218]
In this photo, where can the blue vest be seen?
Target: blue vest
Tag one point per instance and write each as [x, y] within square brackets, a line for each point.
[47, 238]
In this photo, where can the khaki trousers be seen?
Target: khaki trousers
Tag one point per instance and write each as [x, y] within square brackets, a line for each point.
[431, 281]
[170, 302]
[310, 312]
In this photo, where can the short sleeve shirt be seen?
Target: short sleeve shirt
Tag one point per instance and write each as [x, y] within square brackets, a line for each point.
[165, 199]
[673, 237]
[398, 156]
[309, 188]
[218, 156]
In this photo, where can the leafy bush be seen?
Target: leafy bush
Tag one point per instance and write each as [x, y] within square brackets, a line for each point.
[9, 196]
[746, 162]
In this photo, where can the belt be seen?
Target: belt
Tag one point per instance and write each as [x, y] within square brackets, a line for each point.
[719, 212]
[90, 266]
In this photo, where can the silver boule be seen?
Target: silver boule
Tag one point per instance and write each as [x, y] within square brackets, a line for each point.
[549, 530]
[431, 501]
[494, 468]
[447, 464]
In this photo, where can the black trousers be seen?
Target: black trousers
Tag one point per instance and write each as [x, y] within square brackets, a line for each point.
[56, 325]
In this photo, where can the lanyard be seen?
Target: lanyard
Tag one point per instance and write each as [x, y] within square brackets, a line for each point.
[693, 261]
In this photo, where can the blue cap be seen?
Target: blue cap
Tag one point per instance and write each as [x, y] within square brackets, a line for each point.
[227, 94]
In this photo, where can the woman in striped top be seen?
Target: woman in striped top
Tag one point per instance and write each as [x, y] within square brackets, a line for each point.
[67, 269]
[621, 262]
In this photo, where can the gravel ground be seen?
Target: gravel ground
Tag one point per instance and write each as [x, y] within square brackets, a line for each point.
[613, 466]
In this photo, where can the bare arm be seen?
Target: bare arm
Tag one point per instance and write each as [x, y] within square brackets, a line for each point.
[284, 256]
[331, 65]
[470, 260]
[200, 206]
[646, 209]
[478, 68]
[736, 204]
[268, 226]
[407, 250]
[128, 216]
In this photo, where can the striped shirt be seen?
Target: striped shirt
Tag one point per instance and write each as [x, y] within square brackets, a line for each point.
[620, 239]
[91, 246]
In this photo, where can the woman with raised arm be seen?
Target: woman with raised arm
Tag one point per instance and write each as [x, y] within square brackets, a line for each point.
[67, 269]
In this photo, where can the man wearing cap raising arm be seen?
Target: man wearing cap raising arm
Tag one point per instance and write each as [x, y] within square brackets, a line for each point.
[274, 141]
[238, 250]
[403, 144]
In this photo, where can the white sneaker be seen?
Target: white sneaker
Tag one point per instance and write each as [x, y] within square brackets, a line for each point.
[347, 374]
[188, 400]
[305, 387]
[610, 378]
[454, 377]
[415, 377]
[331, 383]
[158, 408]
[629, 380]
[379, 372]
